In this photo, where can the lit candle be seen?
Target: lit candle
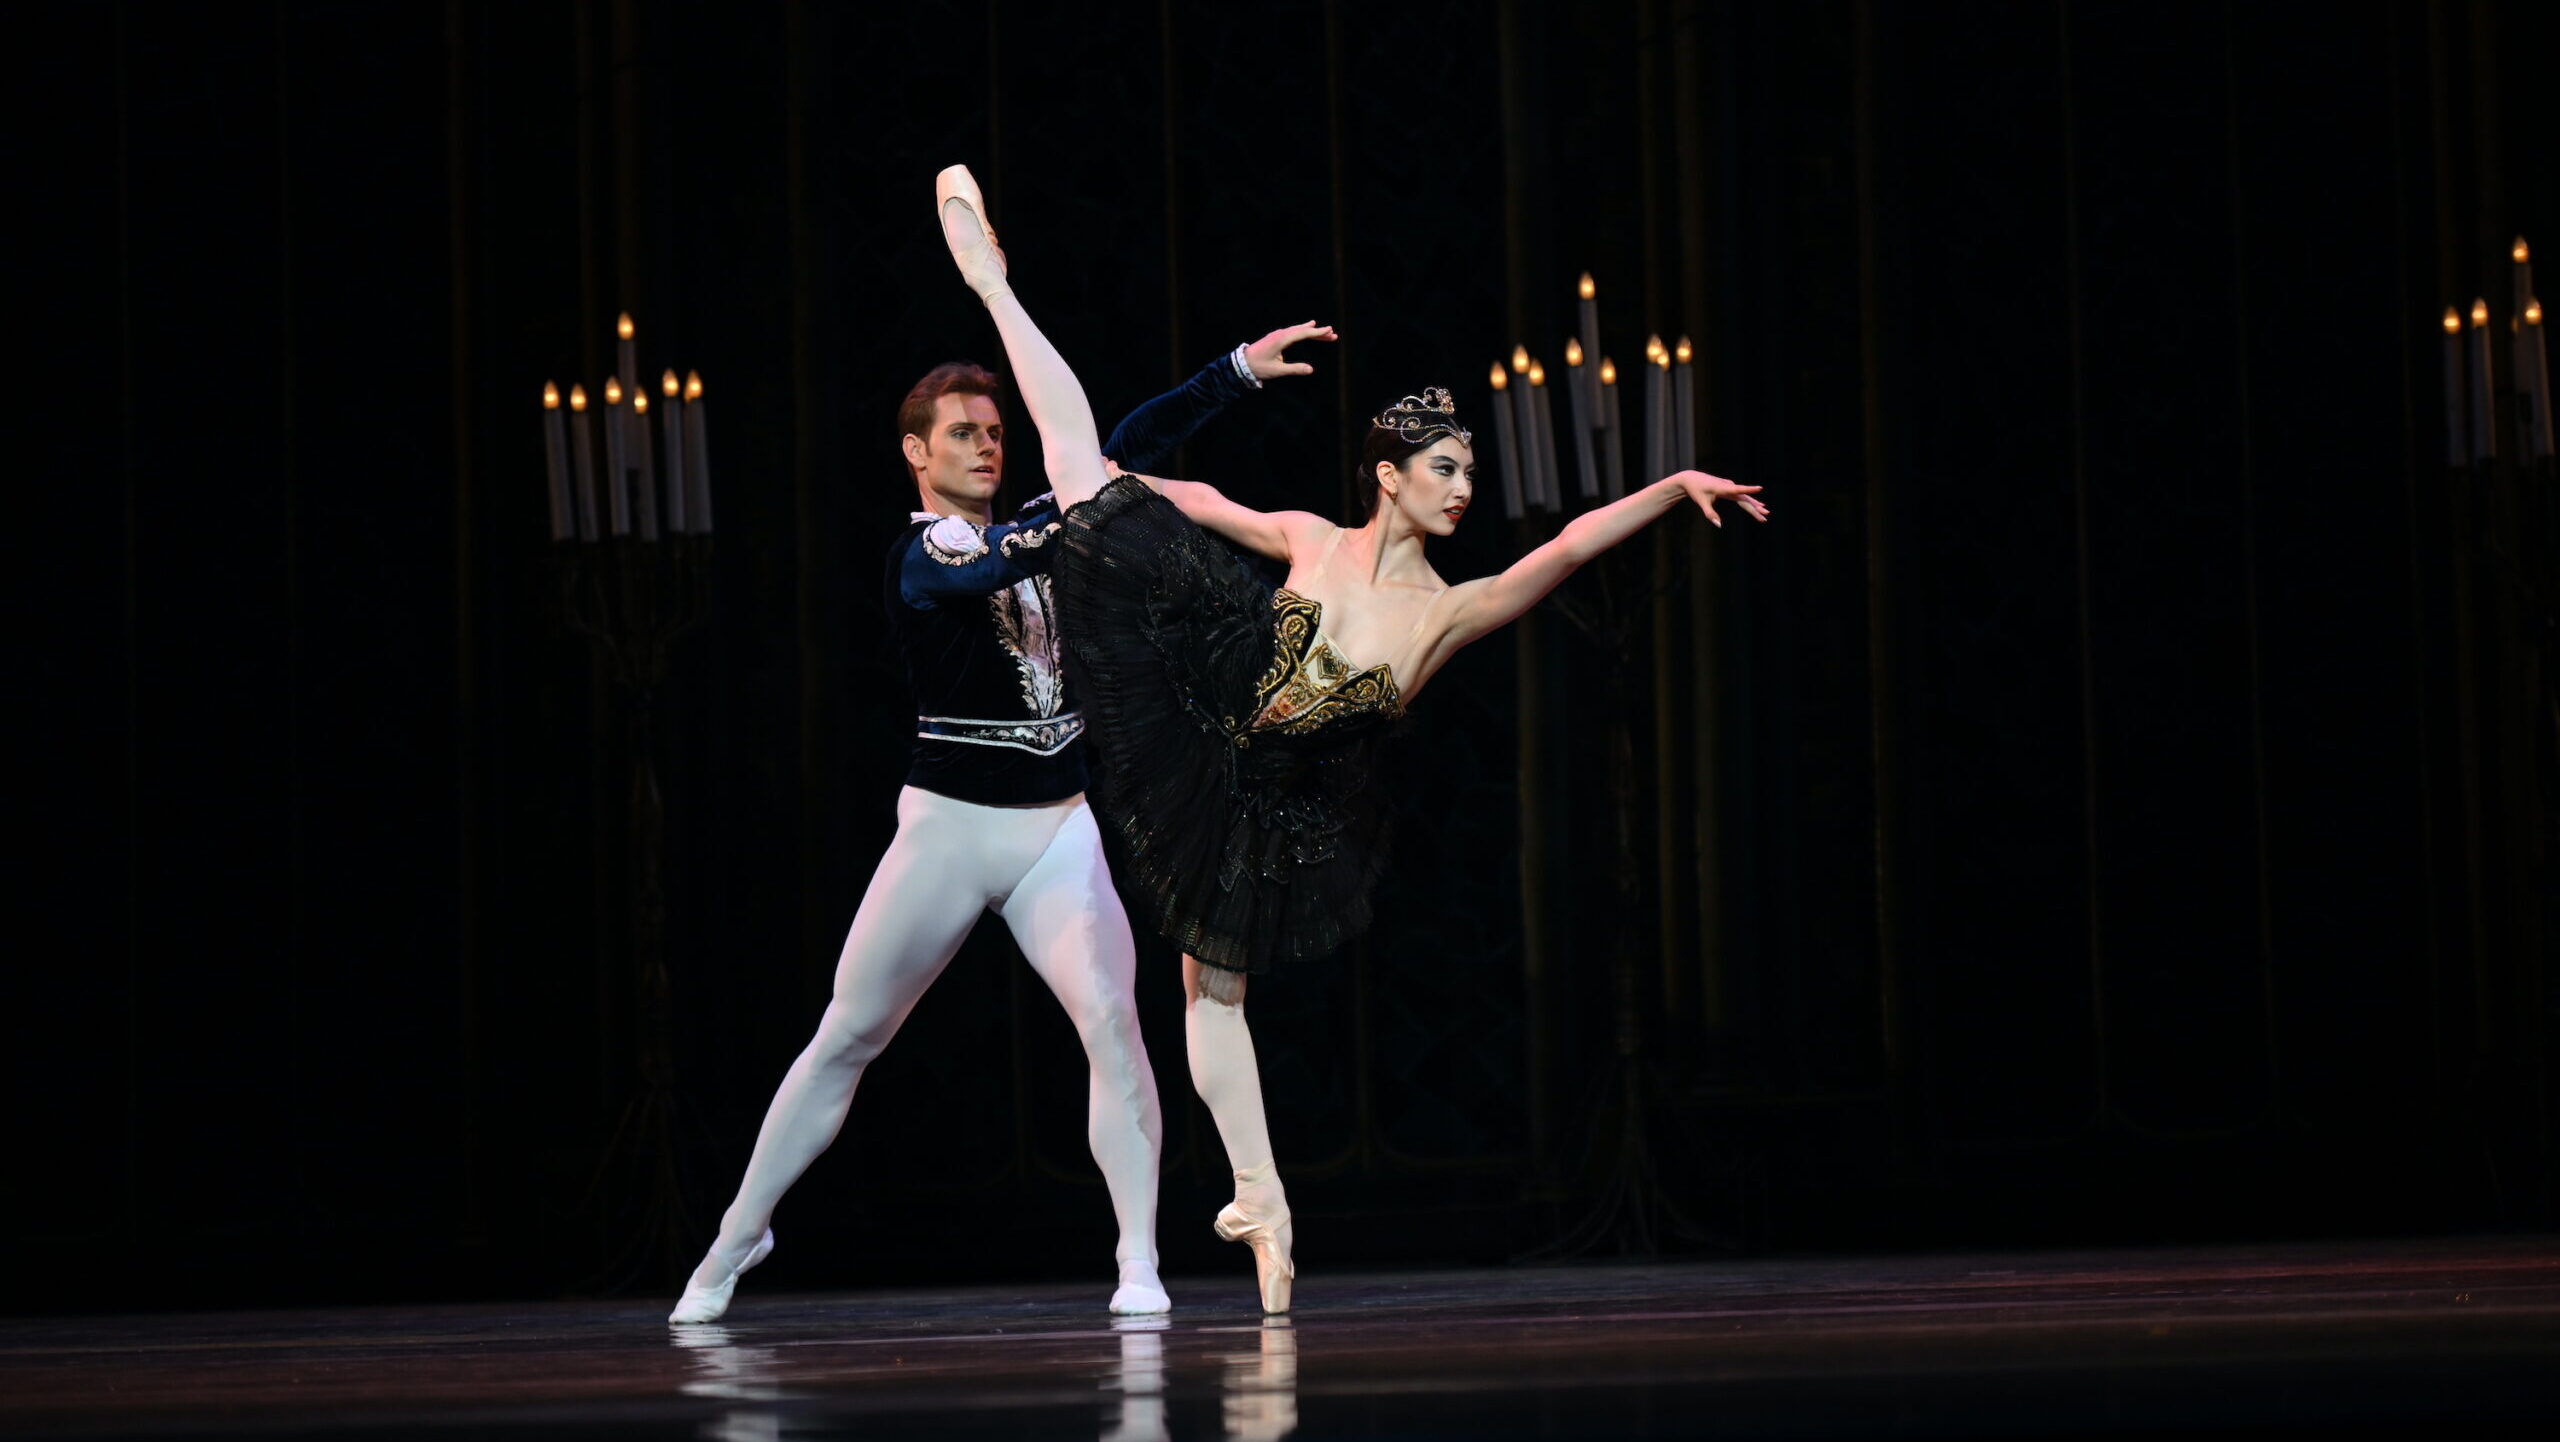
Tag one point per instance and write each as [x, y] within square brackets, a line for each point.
[2484, 407]
[1504, 441]
[1684, 410]
[2523, 255]
[1657, 424]
[1577, 390]
[1533, 491]
[555, 456]
[1615, 454]
[2541, 359]
[584, 448]
[644, 461]
[2457, 438]
[626, 352]
[671, 417]
[697, 457]
[2533, 380]
[1549, 482]
[1587, 313]
[617, 484]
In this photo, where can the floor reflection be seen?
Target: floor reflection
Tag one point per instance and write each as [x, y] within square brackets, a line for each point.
[725, 1370]
[1260, 1388]
[1137, 1383]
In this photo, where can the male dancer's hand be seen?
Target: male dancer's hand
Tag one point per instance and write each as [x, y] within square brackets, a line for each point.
[1264, 358]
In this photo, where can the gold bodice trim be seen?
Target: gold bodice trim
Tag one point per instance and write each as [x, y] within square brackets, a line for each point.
[1310, 683]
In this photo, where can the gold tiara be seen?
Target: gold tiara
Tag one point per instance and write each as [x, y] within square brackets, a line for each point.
[1423, 417]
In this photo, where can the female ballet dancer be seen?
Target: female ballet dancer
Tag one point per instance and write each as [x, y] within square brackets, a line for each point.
[1234, 738]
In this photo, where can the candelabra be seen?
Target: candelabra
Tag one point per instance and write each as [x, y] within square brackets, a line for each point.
[631, 586]
[1623, 592]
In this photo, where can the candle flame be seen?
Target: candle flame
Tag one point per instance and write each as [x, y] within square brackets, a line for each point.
[1652, 346]
[1608, 371]
[578, 399]
[1662, 358]
[2452, 321]
[1501, 378]
[2522, 253]
[1537, 374]
[2533, 312]
[1520, 359]
[613, 392]
[2479, 312]
[550, 396]
[693, 385]
[671, 385]
[622, 326]
[639, 403]
[1680, 352]
[1585, 287]
[1572, 352]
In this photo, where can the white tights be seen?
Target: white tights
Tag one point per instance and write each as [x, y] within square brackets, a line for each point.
[1041, 869]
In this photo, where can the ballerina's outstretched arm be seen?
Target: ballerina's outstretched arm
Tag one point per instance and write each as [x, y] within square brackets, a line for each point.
[1473, 609]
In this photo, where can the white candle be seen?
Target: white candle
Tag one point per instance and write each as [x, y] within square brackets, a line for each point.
[1587, 311]
[1549, 478]
[1505, 443]
[626, 353]
[2484, 406]
[671, 419]
[1578, 391]
[617, 482]
[2457, 428]
[584, 448]
[2541, 361]
[1657, 427]
[1610, 426]
[555, 456]
[1533, 492]
[1684, 410]
[644, 463]
[697, 457]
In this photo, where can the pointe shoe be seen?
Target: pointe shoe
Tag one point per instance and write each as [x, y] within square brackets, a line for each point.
[981, 265]
[706, 1304]
[1270, 1242]
[1140, 1293]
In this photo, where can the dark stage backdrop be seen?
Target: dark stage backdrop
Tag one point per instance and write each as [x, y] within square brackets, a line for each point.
[2111, 804]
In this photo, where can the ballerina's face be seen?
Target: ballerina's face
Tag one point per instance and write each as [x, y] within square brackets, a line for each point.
[961, 463]
[1433, 486]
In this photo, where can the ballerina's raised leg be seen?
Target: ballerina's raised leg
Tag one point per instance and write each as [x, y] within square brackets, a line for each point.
[1223, 1069]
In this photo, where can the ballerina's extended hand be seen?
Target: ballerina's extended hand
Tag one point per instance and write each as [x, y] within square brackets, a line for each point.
[1706, 490]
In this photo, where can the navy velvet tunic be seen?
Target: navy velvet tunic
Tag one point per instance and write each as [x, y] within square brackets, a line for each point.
[975, 620]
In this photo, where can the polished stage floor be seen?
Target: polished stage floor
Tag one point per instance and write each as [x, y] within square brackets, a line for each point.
[2327, 1339]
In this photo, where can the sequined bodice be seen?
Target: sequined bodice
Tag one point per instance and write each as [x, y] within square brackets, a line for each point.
[1310, 685]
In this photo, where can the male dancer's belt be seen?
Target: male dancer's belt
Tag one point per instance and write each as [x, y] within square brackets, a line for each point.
[1042, 736]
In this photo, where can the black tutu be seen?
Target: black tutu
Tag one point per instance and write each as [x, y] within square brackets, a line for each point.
[1249, 846]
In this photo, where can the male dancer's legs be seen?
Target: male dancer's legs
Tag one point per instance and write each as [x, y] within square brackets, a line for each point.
[949, 862]
[1071, 927]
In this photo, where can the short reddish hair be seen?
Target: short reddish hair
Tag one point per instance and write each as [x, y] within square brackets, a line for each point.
[951, 378]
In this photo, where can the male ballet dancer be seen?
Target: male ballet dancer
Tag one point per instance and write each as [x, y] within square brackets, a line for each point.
[993, 816]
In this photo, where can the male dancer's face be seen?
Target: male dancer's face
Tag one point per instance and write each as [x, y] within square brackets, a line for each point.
[960, 463]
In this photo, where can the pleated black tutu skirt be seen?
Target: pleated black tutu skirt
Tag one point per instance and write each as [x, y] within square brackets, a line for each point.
[1249, 847]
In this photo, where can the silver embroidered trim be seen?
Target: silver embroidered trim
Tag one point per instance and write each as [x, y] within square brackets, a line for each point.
[1046, 737]
[1022, 613]
[1018, 541]
[955, 542]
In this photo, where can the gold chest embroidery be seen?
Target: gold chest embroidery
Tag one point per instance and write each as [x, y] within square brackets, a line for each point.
[1310, 684]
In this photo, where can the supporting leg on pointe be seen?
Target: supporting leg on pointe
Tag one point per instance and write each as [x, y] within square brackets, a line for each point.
[1069, 921]
[1224, 1073]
